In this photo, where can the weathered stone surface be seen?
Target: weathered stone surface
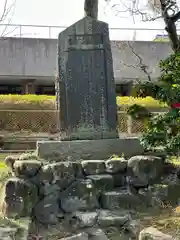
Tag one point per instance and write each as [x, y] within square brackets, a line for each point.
[63, 174]
[80, 236]
[152, 233]
[103, 182]
[164, 193]
[78, 169]
[116, 165]
[47, 210]
[122, 198]
[81, 195]
[108, 219]
[93, 167]
[86, 219]
[18, 197]
[45, 174]
[88, 149]
[27, 168]
[84, 58]
[97, 234]
[119, 180]
[145, 168]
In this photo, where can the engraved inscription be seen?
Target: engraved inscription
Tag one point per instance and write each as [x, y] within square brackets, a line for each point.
[85, 39]
[85, 42]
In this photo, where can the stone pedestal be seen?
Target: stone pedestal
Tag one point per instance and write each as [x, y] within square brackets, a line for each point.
[88, 149]
[86, 100]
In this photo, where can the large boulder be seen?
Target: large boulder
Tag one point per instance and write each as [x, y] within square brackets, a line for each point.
[144, 170]
[47, 210]
[18, 198]
[81, 195]
[152, 233]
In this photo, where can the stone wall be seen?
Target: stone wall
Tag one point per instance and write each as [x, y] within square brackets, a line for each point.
[90, 194]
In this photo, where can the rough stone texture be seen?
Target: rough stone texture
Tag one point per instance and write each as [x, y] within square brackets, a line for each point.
[88, 149]
[98, 234]
[116, 166]
[92, 167]
[87, 109]
[26, 167]
[81, 195]
[18, 198]
[86, 219]
[120, 199]
[61, 195]
[152, 233]
[63, 174]
[109, 219]
[103, 182]
[143, 170]
[47, 210]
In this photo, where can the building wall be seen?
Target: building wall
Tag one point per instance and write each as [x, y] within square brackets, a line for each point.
[23, 58]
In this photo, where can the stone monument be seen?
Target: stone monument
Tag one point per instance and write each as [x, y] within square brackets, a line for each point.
[87, 98]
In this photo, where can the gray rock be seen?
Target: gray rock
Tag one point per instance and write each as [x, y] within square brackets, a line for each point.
[80, 236]
[63, 174]
[48, 188]
[145, 168]
[81, 195]
[103, 182]
[47, 210]
[119, 179]
[120, 199]
[152, 233]
[86, 219]
[26, 167]
[45, 175]
[18, 197]
[98, 234]
[166, 193]
[78, 169]
[116, 166]
[109, 219]
[93, 167]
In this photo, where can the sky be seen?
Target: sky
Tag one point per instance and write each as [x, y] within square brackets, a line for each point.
[66, 12]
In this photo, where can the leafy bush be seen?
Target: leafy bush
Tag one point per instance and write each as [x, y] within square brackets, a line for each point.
[164, 129]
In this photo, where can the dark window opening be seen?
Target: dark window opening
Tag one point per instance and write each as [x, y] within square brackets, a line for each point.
[124, 89]
[45, 90]
[10, 89]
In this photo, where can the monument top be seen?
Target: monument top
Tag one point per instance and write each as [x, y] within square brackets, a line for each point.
[91, 8]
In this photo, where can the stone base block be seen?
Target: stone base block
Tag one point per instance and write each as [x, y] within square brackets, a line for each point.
[88, 149]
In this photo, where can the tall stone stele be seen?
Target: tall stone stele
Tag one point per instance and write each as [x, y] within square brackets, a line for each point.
[86, 97]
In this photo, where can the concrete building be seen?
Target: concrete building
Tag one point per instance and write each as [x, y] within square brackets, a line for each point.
[28, 65]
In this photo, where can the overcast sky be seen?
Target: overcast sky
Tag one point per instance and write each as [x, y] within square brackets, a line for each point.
[66, 12]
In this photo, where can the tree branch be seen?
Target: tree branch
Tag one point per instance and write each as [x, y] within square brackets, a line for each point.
[7, 14]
